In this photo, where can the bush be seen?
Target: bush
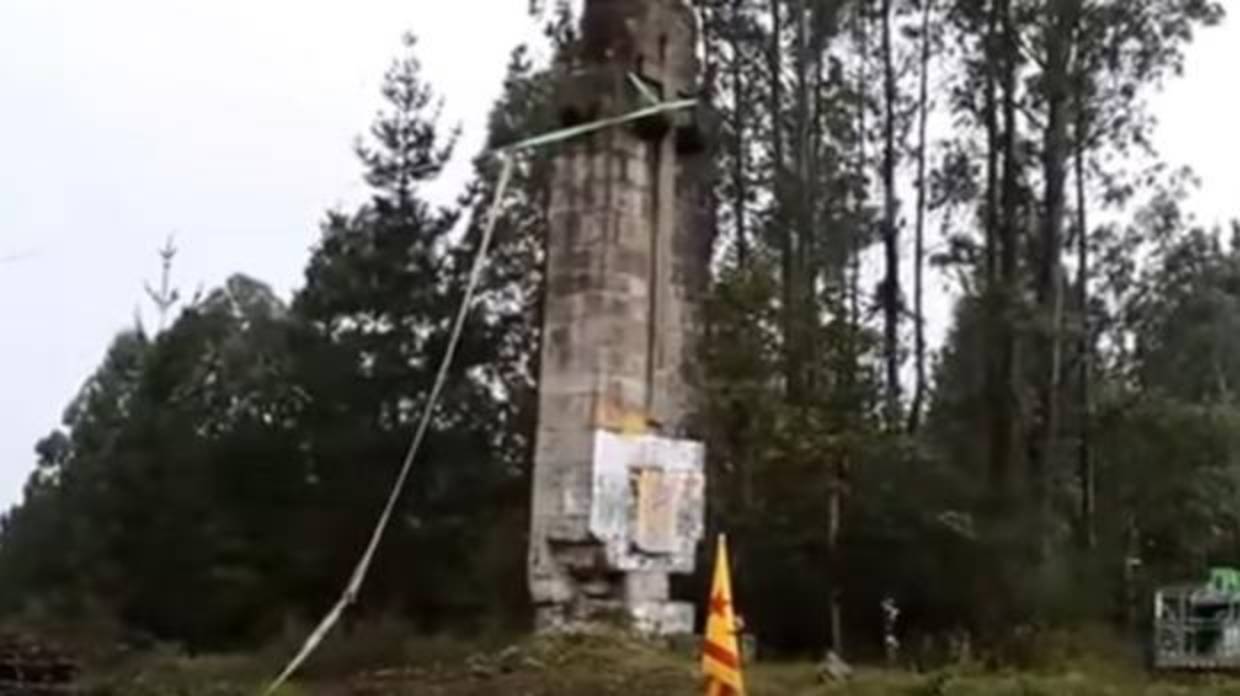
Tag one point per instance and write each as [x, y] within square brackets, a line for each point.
[168, 672]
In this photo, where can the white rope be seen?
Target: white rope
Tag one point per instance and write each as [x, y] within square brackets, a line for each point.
[363, 566]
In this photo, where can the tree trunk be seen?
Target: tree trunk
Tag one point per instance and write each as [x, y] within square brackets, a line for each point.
[1048, 286]
[783, 226]
[852, 307]
[863, 165]
[995, 357]
[1085, 465]
[1132, 563]
[834, 503]
[802, 156]
[991, 213]
[891, 240]
[739, 174]
[919, 252]
[1004, 395]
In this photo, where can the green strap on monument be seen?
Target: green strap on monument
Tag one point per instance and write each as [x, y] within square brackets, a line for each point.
[601, 124]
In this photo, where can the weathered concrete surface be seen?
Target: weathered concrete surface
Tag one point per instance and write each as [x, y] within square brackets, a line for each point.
[617, 500]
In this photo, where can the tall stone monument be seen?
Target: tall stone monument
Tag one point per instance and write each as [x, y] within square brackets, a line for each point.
[618, 474]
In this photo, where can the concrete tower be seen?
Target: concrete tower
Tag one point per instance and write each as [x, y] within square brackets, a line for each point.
[618, 474]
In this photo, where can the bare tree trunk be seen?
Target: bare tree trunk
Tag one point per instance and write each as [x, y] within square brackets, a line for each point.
[992, 144]
[1049, 287]
[1132, 562]
[863, 165]
[739, 160]
[992, 293]
[783, 226]
[919, 251]
[1050, 400]
[1003, 412]
[852, 303]
[891, 234]
[805, 218]
[1001, 300]
[816, 135]
[834, 503]
[1085, 465]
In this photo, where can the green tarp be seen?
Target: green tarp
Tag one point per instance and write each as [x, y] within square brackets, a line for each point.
[1225, 580]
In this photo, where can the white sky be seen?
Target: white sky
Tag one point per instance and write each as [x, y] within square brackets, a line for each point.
[230, 122]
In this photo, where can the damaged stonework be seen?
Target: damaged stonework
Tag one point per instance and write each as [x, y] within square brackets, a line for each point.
[618, 476]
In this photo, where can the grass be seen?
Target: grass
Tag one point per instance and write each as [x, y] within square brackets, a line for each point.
[385, 660]
[165, 673]
[616, 664]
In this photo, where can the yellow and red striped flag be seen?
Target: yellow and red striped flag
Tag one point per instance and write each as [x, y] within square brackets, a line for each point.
[721, 655]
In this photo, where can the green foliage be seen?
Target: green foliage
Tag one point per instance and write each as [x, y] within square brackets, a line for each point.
[217, 478]
[167, 673]
[372, 321]
[614, 664]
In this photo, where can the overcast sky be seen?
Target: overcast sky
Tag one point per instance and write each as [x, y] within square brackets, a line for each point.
[229, 123]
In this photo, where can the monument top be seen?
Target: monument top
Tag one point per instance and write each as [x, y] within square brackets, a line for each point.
[656, 39]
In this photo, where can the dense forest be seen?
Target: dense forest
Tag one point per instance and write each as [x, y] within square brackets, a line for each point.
[1074, 440]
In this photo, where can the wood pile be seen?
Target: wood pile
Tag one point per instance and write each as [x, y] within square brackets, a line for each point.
[31, 667]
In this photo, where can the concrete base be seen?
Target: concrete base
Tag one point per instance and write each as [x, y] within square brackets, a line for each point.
[662, 618]
[650, 619]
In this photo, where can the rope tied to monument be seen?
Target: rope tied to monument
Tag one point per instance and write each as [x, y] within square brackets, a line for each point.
[506, 158]
[349, 596]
